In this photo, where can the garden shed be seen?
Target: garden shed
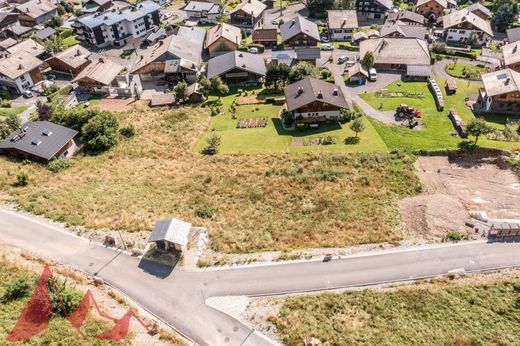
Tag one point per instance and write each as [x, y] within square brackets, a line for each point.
[170, 234]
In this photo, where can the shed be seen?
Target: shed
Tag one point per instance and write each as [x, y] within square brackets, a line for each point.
[451, 87]
[357, 73]
[164, 99]
[170, 234]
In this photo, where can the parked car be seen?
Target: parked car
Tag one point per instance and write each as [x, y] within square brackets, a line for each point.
[275, 22]
[372, 74]
[51, 77]
[327, 258]
[27, 94]
[211, 150]
[342, 59]
[350, 63]
[327, 46]
[324, 39]
[253, 50]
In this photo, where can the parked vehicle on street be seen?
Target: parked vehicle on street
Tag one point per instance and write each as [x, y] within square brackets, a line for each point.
[342, 59]
[253, 50]
[27, 94]
[327, 46]
[372, 74]
[51, 77]
[324, 39]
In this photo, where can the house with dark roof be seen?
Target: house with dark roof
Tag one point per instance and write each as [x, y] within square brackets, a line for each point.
[265, 32]
[372, 10]
[45, 33]
[36, 12]
[223, 38]
[480, 10]
[458, 26]
[7, 19]
[237, 67]
[312, 100]
[341, 24]
[72, 60]
[19, 72]
[247, 13]
[17, 30]
[91, 6]
[41, 141]
[501, 92]
[117, 27]
[299, 31]
[407, 17]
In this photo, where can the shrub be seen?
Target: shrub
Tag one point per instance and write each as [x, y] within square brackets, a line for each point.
[16, 289]
[58, 165]
[100, 133]
[4, 95]
[204, 211]
[214, 140]
[128, 131]
[22, 178]
[70, 298]
[454, 235]
[5, 103]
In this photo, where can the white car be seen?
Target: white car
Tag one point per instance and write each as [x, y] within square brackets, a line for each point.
[275, 22]
[327, 46]
[372, 74]
[342, 59]
[253, 50]
[324, 39]
[27, 94]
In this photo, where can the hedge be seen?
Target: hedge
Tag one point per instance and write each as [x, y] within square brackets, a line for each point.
[63, 91]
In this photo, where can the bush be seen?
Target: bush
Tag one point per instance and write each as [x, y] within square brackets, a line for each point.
[22, 178]
[128, 131]
[5, 103]
[70, 298]
[204, 212]
[100, 133]
[58, 165]
[454, 236]
[4, 95]
[214, 140]
[16, 289]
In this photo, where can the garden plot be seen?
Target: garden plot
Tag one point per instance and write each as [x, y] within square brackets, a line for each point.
[251, 123]
[452, 187]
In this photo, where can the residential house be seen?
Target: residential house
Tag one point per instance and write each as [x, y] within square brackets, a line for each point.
[28, 46]
[265, 32]
[357, 74]
[4, 45]
[373, 33]
[19, 72]
[16, 31]
[341, 24]
[308, 54]
[156, 36]
[170, 234]
[403, 30]
[513, 34]
[247, 13]
[45, 33]
[117, 27]
[431, 9]
[359, 36]
[41, 141]
[7, 19]
[409, 56]
[177, 57]
[480, 10]
[501, 93]
[91, 6]
[460, 25]
[511, 55]
[407, 17]
[237, 67]
[203, 12]
[311, 100]
[372, 10]
[299, 31]
[72, 60]
[36, 12]
[223, 38]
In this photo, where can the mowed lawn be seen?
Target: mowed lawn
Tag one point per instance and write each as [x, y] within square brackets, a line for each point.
[6, 111]
[436, 135]
[274, 138]
[470, 312]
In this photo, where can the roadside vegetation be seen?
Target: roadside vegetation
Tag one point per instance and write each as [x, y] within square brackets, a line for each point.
[481, 310]
[248, 202]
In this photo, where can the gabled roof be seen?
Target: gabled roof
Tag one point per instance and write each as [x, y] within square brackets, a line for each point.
[115, 15]
[226, 31]
[511, 53]
[8, 18]
[360, 35]
[42, 139]
[344, 19]
[251, 7]
[201, 6]
[357, 68]
[408, 31]
[385, 3]
[18, 64]
[308, 53]
[513, 35]
[397, 50]
[19, 30]
[74, 56]
[29, 46]
[406, 16]
[36, 8]
[464, 16]
[45, 33]
[299, 25]
[8, 42]
[442, 3]
[479, 7]
[501, 82]
[309, 89]
[101, 70]
[221, 64]
[265, 35]
[173, 230]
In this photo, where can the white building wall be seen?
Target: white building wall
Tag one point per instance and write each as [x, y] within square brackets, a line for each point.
[341, 34]
[327, 114]
[461, 35]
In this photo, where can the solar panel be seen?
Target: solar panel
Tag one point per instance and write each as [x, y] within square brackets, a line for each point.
[502, 76]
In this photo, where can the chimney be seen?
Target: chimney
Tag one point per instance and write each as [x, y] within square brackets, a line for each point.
[515, 48]
[141, 57]
[78, 52]
[240, 55]
[300, 90]
[293, 22]
[101, 60]
[507, 81]
[320, 95]
[344, 22]
[335, 92]
[20, 67]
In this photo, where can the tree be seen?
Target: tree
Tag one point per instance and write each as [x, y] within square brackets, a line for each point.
[54, 22]
[181, 91]
[44, 110]
[357, 126]
[54, 44]
[478, 127]
[368, 60]
[347, 4]
[214, 140]
[505, 13]
[11, 123]
[472, 40]
[318, 8]
[205, 85]
[325, 73]
[100, 133]
[302, 70]
[219, 87]
[277, 76]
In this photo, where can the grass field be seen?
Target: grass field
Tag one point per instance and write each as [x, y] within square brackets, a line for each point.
[59, 332]
[6, 111]
[70, 41]
[465, 71]
[259, 202]
[475, 311]
[274, 138]
[438, 125]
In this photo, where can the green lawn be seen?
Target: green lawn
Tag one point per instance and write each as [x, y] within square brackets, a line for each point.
[438, 125]
[70, 41]
[274, 138]
[466, 71]
[6, 111]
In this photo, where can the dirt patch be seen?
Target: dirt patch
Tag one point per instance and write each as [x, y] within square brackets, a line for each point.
[250, 100]
[454, 186]
[115, 104]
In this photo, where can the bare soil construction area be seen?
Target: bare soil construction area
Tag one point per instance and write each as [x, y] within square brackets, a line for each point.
[452, 186]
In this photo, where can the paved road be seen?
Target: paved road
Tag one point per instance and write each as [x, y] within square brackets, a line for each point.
[178, 297]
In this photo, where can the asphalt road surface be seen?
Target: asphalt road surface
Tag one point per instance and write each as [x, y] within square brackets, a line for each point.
[178, 297]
